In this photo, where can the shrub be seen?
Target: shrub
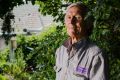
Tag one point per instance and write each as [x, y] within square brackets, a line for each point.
[38, 52]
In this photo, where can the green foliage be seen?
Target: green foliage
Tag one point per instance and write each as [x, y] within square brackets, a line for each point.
[8, 5]
[3, 56]
[3, 77]
[6, 26]
[39, 52]
[34, 57]
[53, 8]
[11, 70]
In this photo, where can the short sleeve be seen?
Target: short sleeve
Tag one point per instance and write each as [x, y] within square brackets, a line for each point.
[98, 68]
[57, 63]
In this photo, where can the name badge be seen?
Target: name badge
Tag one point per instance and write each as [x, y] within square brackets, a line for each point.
[81, 70]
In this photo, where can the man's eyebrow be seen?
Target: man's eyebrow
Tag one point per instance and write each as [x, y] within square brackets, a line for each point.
[68, 15]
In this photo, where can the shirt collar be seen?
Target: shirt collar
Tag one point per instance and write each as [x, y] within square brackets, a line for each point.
[68, 44]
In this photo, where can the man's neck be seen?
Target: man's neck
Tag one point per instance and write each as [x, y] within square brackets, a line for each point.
[76, 39]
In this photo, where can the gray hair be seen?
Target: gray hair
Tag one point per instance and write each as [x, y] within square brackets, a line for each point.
[83, 8]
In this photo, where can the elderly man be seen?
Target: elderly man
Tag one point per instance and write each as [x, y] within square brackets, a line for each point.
[78, 58]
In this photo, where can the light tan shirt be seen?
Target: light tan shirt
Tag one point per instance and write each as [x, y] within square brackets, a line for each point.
[80, 61]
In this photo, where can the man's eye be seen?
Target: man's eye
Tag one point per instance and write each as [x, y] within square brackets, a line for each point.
[78, 18]
[69, 17]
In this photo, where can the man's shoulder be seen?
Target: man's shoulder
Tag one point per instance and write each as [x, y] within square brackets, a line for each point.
[94, 48]
[61, 49]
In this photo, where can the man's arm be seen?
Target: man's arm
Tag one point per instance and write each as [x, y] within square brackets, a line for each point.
[98, 69]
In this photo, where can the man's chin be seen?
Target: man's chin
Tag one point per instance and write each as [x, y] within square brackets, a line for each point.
[75, 34]
[72, 35]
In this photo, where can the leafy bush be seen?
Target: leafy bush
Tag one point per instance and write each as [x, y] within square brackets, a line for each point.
[3, 77]
[34, 57]
[39, 52]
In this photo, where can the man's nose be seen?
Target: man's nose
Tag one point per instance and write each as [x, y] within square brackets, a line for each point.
[73, 20]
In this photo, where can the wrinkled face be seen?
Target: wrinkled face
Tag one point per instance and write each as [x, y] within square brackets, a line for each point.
[74, 22]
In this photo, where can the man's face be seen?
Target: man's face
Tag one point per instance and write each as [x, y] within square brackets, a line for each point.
[73, 22]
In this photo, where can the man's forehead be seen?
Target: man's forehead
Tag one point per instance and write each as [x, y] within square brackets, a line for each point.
[73, 10]
[72, 14]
